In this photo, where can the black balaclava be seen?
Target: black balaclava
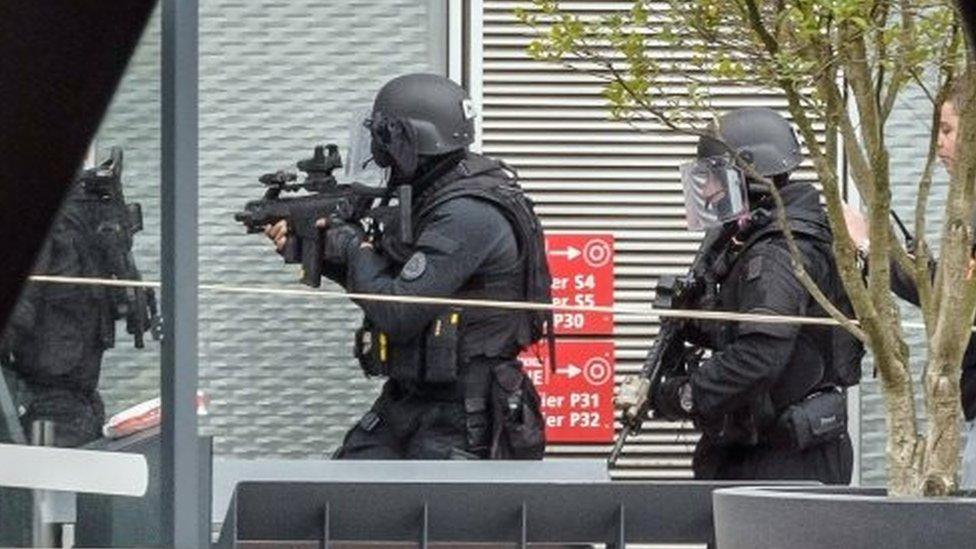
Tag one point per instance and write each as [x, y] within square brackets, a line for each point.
[394, 145]
[759, 194]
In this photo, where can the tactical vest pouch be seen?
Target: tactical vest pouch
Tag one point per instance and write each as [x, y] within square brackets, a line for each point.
[815, 420]
[380, 357]
[441, 349]
[848, 352]
[371, 349]
[518, 429]
[405, 361]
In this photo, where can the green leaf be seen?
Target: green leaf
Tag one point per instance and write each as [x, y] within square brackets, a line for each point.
[639, 13]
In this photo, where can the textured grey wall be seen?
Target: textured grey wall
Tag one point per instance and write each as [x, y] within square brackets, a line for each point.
[907, 137]
[275, 79]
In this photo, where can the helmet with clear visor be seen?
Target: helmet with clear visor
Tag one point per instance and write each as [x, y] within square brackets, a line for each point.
[715, 192]
[716, 185]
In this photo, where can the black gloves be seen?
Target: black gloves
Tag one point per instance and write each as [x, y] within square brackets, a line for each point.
[669, 396]
[341, 238]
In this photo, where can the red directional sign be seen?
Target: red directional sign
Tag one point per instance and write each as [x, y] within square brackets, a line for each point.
[577, 398]
[582, 275]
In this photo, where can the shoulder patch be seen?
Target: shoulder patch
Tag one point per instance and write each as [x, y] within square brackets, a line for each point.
[755, 267]
[415, 267]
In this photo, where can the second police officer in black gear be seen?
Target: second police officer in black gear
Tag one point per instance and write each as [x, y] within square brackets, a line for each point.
[769, 400]
[455, 387]
[52, 348]
[53, 344]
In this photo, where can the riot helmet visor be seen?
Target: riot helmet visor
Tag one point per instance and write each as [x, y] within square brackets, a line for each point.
[715, 192]
[361, 166]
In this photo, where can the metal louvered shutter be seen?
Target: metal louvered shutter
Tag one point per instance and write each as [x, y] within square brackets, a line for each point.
[589, 173]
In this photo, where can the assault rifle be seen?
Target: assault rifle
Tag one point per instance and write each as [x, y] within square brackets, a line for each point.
[698, 288]
[324, 198]
[115, 223]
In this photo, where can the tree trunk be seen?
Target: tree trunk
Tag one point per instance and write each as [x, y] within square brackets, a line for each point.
[946, 348]
[904, 444]
[943, 437]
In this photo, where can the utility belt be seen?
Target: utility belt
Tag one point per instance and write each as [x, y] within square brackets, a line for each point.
[503, 417]
[819, 418]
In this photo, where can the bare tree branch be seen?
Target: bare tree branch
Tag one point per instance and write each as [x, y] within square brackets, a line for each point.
[796, 254]
[902, 71]
[802, 47]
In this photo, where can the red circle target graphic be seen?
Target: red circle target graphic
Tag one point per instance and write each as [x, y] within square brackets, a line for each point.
[597, 371]
[597, 253]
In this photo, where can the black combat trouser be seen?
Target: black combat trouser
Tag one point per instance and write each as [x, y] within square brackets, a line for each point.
[829, 463]
[77, 413]
[491, 411]
[404, 425]
[440, 436]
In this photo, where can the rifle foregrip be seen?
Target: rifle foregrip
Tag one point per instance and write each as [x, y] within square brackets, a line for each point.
[312, 261]
[136, 322]
[291, 252]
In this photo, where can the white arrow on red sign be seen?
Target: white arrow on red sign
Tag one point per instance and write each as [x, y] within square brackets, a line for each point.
[570, 371]
[569, 253]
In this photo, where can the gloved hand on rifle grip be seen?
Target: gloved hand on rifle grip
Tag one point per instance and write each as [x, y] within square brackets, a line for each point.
[668, 396]
[341, 237]
[701, 333]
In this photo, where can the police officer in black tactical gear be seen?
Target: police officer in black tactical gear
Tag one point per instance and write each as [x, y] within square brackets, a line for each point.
[56, 336]
[455, 389]
[770, 398]
[52, 347]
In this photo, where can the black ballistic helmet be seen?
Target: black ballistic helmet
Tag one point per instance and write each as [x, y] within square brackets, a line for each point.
[437, 109]
[760, 136]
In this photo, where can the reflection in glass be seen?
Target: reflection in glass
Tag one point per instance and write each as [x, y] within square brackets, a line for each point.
[77, 354]
[54, 343]
[61, 332]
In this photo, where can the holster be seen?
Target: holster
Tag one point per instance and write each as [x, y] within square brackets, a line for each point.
[518, 428]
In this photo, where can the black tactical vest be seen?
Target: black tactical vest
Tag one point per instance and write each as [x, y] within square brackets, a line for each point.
[68, 327]
[497, 332]
[830, 356]
[840, 364]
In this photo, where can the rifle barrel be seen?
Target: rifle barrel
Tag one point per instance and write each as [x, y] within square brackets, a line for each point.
[619, 445]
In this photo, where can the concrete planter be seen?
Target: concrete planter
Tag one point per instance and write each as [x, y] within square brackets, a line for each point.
[833, 517]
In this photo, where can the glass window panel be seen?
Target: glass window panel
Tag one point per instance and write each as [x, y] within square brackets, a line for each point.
[71, 356]
[276, 79]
